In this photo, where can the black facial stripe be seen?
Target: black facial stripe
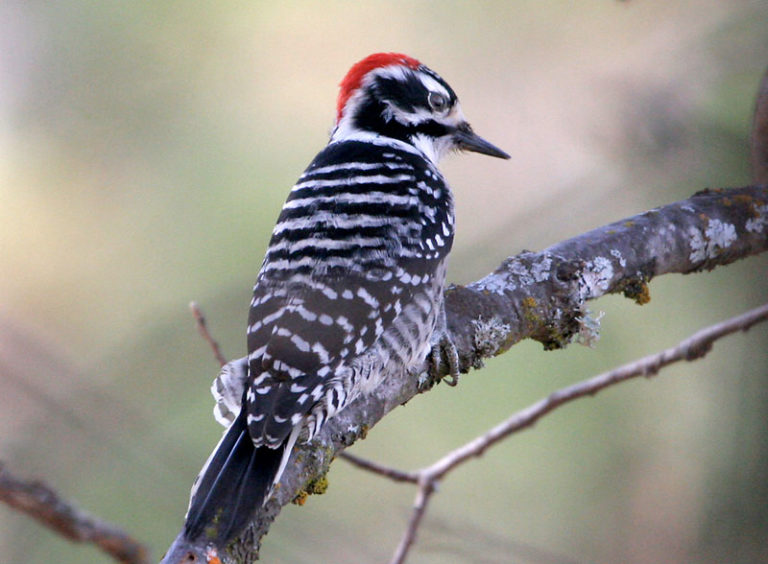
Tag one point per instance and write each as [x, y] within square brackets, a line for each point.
[370, 118]
[407, 95]
[431, 128]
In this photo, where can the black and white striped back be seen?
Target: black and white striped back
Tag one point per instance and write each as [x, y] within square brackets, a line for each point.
[362, 237]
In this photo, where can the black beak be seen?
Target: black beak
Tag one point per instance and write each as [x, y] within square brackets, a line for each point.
[468, 140]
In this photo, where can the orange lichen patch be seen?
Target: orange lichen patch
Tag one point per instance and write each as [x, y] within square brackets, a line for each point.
[317, 486]
[637, 290]
[212, 557]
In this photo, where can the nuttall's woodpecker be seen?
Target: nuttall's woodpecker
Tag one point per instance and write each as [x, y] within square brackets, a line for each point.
[350, 291]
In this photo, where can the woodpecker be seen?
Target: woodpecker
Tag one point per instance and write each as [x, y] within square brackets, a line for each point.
[350, 291]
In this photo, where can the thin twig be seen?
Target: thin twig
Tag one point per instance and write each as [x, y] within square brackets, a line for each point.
[202, 327]
[692, 348]
[426, 489]
[40, 502]
[376, 468]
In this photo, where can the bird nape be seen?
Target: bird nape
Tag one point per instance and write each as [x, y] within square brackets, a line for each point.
[350, 292]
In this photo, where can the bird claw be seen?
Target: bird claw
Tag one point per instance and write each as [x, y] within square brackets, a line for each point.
[444, 351]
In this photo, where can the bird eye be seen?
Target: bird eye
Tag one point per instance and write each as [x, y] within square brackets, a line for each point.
[437, 101]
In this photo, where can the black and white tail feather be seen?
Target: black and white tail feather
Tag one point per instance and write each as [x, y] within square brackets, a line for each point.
[235, 480]
[237, 477]
[350, 291]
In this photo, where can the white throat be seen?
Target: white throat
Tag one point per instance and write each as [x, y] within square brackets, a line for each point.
[434, 148]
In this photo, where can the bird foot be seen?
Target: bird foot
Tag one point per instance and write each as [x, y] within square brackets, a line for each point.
[444, 352]
[443, 360]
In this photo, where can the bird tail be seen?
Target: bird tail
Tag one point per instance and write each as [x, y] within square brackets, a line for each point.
[235, 481]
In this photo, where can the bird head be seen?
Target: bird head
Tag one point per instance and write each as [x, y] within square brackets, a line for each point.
[394, 95]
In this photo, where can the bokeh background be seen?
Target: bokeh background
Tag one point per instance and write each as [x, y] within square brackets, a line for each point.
[145, 151]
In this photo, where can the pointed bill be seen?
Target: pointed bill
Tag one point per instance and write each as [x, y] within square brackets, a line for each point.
[468, 140]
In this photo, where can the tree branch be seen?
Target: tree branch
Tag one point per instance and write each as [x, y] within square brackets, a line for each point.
[40, 502]
[542, 296]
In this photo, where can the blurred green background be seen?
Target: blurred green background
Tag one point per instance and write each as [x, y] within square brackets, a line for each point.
[145, 151]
